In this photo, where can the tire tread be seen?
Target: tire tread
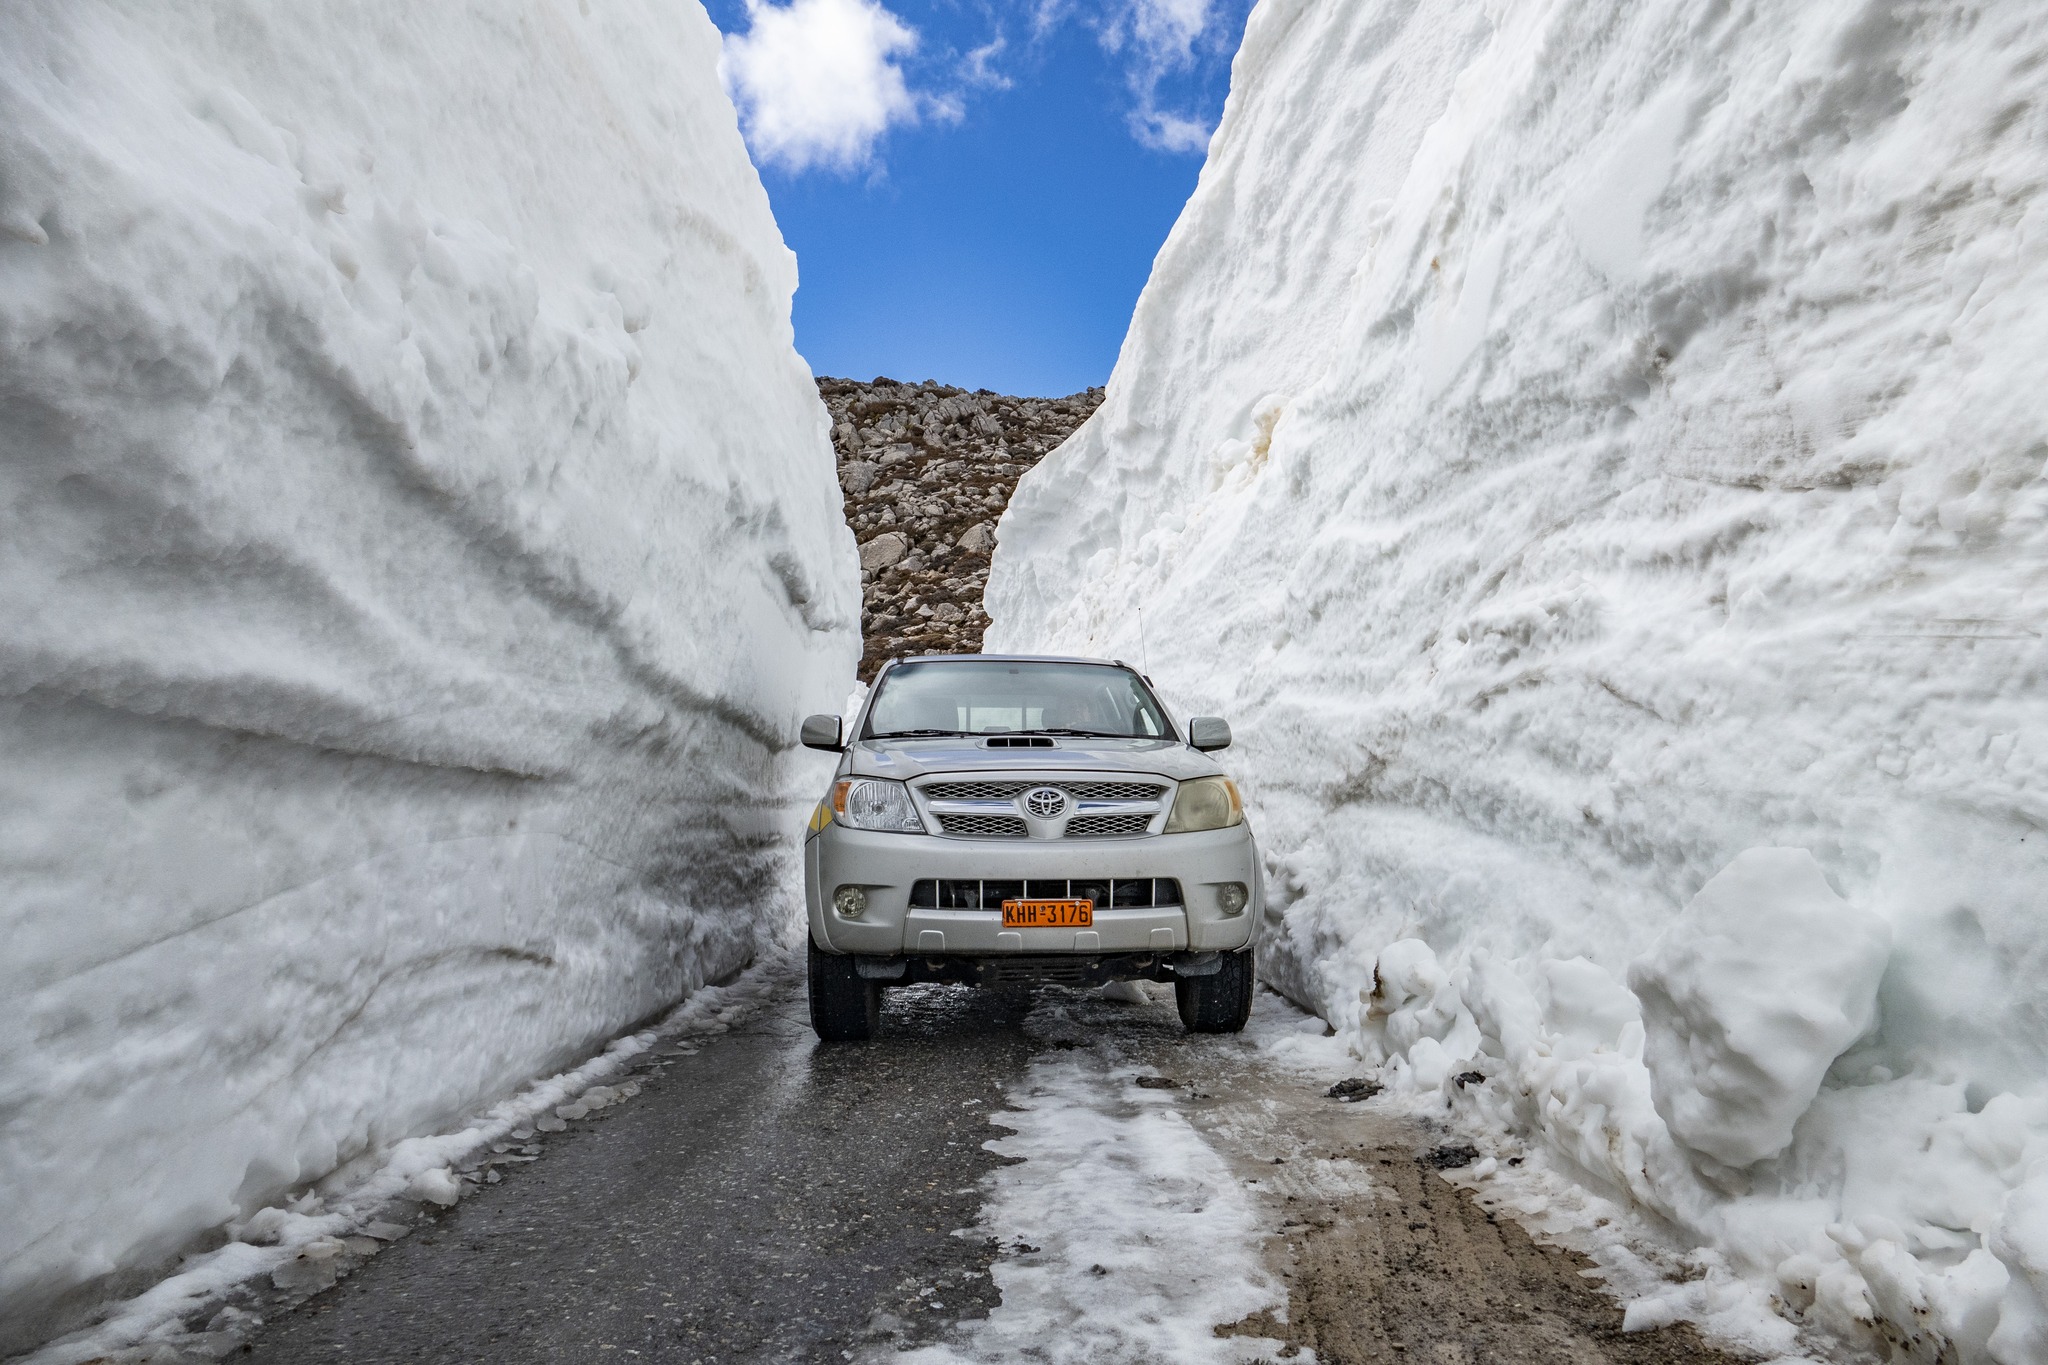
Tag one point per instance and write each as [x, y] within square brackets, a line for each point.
[1221, 1003]
[845, 1006]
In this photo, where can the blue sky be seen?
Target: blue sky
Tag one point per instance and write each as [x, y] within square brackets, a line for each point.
[975, 188]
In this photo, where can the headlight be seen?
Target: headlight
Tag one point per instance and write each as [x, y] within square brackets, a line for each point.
[1205, 803]
[869, 803]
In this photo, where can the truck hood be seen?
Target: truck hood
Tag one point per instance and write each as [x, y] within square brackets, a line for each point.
[906, 759]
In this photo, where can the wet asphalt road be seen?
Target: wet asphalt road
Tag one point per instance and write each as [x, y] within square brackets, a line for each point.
[769, 1199]
[773, 1199]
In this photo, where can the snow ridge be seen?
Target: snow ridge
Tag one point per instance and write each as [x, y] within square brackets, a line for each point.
[1583, 446]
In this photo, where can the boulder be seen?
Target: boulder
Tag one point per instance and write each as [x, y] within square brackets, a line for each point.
[884, 550]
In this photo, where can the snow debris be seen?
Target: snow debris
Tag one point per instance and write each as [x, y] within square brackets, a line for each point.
[1588, 449]
[418, 541]
[436, 1186]
[1129, 1237]
[317, 1264]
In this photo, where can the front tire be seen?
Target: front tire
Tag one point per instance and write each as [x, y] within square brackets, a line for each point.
[846, 1007]
[1220, 1003]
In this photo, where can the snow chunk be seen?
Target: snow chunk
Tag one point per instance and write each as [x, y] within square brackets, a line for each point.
[1748, 998]
[436, 1186]
[2020, 1241]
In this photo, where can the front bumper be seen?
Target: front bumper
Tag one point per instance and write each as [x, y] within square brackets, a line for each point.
[886, 866]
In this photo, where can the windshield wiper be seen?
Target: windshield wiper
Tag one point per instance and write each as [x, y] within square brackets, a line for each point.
[1081, 734]
[917, 734]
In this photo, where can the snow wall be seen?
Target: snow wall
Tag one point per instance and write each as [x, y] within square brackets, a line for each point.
[420, 543]
[1593, 451]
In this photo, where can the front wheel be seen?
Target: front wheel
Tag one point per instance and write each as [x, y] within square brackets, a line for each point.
[846, 1007]
[1219, 1003]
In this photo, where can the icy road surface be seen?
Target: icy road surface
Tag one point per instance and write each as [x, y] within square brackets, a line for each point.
[1053, 1177]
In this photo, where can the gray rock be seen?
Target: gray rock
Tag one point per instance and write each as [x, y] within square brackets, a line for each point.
[944, 462]
[884, 550]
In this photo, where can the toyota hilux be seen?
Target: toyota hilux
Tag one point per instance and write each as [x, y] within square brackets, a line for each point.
[1012, 819]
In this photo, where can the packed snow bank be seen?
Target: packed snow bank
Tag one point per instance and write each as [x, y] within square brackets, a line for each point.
[1579, 445]
[420, 539]
[317, 1236]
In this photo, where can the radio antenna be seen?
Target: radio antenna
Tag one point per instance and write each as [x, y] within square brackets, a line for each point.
[1144, 659]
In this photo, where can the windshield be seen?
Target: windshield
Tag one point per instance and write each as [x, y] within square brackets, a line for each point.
[972, 697]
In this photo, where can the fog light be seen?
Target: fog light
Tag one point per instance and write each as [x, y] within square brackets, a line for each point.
[1231, 897]
[850, 901]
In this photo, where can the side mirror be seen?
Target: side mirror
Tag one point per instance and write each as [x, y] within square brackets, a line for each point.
[822, 732]
[1208, 732]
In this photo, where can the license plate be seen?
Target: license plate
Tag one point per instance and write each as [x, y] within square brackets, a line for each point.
[1048, 914]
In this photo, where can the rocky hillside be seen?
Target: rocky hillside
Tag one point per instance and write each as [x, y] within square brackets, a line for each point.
[927, 469]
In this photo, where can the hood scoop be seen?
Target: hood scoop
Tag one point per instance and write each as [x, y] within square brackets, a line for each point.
[1018, 742]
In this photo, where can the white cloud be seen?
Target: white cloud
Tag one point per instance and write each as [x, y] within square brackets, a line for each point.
[1166, 30]
[817, 81]
[978, 68]
[1158, 38]
[1047, 15]
[1169, 132]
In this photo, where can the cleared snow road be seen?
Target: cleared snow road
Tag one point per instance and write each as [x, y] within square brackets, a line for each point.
[1149, 1197]
[761, 1200]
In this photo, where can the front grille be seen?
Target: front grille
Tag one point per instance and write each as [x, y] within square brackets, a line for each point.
[983, 826]
[1080, 791]
[966, 893]
[1113, 791]
[1107, 826]
[973, 791]
[1021, 971]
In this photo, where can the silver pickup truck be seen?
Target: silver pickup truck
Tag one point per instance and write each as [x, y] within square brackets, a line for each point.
[1000, 819]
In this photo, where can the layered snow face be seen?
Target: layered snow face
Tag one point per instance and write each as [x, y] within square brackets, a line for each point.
[1582, 447]
[420, 540]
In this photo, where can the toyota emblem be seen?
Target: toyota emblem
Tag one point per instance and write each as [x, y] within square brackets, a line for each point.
[1046, 803]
